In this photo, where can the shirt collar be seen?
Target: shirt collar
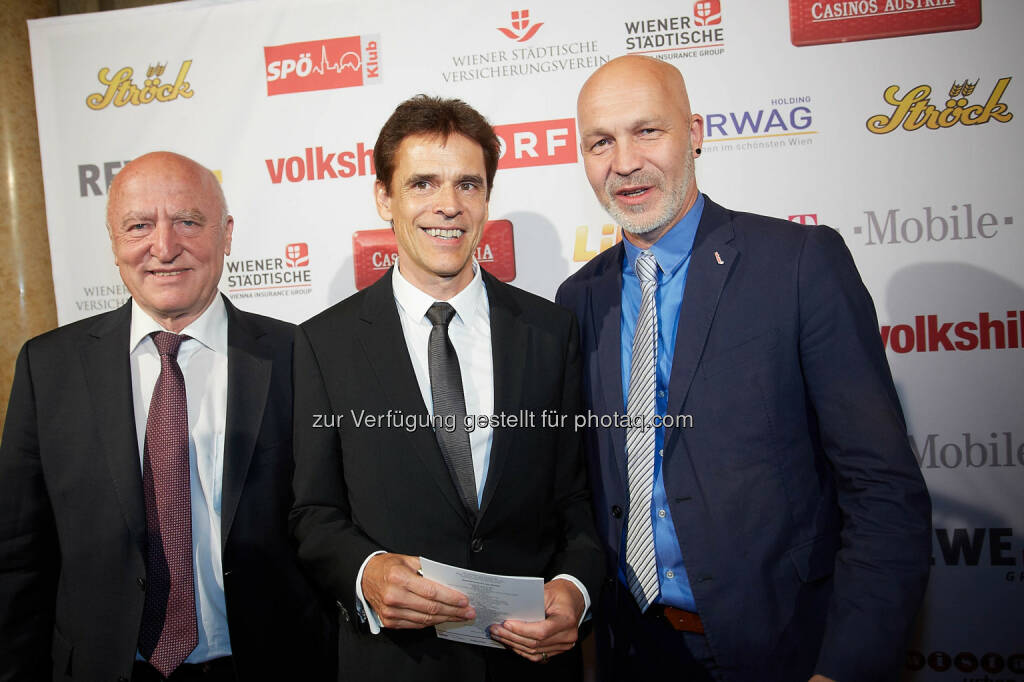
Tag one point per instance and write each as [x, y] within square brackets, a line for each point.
[209, 329]
[674, 247]
[415, 302]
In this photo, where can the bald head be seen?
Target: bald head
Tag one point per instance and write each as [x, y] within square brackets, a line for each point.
[639, 138]
[169, 231]
[156, 164]
[624, 74]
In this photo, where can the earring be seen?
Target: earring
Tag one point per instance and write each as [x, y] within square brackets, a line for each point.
[697, 150]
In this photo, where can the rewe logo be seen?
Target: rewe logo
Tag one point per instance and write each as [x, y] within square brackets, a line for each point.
[707, 12]
[521, 30]
[296, 255]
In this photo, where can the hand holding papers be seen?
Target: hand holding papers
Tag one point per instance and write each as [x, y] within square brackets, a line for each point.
[496, 598]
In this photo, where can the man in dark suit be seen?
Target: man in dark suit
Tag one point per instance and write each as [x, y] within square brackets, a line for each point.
[766, 520]
[145, 469]
[435, 340]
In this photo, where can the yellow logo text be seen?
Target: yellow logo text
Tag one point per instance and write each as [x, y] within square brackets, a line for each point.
[914, 109]
[610, 236]
[122, 90]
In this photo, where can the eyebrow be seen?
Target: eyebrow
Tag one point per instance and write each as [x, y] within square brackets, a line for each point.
[421, 177]
[471, 178]
[135, 217]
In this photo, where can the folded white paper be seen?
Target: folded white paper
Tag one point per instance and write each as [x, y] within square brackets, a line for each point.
[496, 599]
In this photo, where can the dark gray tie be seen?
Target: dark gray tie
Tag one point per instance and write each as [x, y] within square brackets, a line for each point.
[446, 391]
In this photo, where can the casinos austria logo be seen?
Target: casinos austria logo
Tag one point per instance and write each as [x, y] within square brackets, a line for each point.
[813, 22]
[374, 251]
[322, 64]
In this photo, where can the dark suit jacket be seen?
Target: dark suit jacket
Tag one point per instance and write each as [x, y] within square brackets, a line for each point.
[800, 511]
[72, 517]
[359, 490]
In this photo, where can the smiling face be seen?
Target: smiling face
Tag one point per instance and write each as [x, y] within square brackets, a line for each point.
[637, 138]
[169, 236]
[437, 204]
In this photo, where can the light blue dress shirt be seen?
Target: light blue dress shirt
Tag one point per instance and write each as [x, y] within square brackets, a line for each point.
[672, 251]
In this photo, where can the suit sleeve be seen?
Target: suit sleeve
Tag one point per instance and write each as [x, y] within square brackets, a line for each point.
[580, 554]
[330, 545]
[29, 556]
[882, 566]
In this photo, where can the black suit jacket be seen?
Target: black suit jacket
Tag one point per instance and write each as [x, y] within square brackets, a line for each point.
[359, 490]
[72, 516]
[800, 510]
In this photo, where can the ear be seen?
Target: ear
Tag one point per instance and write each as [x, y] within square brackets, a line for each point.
[113, 245]
[383, 199]
[696, 131]
[229, 228]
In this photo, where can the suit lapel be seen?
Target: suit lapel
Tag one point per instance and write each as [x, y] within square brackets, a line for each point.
[383, 342]
[509, 339]
[704, 283]
[108, 376]
[249, 370]
[606, 316]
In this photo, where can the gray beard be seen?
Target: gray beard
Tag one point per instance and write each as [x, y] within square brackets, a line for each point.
[627, 219]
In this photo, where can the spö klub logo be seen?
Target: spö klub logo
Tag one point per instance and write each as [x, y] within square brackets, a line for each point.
[521, 29]
[322, 64]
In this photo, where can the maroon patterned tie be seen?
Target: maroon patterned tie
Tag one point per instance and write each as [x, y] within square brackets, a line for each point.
[168, 634]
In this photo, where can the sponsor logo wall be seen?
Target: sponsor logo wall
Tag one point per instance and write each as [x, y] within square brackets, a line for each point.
[893, 121]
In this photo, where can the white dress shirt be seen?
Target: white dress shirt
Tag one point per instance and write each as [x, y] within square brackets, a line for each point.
[470, 334]
[204, 363]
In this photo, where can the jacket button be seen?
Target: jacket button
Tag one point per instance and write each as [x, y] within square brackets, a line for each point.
[477, 545]
[141, 582]
[616, 511]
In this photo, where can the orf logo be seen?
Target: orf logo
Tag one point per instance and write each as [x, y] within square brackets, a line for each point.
[296, 255]
[707, 12]
[521, 30]
[804, 218]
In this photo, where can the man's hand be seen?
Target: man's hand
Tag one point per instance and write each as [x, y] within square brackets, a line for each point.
[403, 598]
[563, 608]
[821, 678]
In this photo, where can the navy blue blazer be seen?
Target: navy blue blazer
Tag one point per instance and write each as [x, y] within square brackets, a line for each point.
[802, 515]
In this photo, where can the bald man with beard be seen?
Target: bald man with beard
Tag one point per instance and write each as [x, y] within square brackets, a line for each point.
[768, 520]
[145, 468]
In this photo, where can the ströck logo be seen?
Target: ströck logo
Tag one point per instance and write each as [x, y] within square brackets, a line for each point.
[914, 110]
[322, 64]
[521, 30]
[122, 90]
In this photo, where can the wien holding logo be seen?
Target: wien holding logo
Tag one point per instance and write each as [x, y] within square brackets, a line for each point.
[521, 30]
[322, 64]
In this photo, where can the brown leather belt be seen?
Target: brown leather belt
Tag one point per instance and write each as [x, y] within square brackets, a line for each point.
[683, 621]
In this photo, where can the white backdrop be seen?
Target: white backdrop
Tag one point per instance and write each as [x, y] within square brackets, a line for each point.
[285, 100]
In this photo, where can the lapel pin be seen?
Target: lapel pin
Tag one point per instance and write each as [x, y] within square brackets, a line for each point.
[719, 259]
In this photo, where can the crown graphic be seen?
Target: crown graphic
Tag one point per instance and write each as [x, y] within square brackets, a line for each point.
[966, 88]
[157, 70]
